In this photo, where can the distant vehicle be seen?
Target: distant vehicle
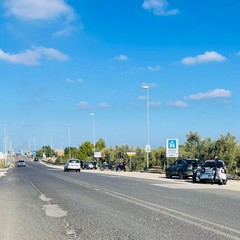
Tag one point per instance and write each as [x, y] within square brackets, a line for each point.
[90, 165]
[181, 168]
[207, 171]
[35, 159]
[107, 166]
[21, 163]
[72, 164]
[121, 167]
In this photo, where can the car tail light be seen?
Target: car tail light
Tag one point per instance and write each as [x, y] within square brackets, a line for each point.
[202, 170]
[223, 170]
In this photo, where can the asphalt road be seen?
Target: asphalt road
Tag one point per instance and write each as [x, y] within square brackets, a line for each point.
[39, 202]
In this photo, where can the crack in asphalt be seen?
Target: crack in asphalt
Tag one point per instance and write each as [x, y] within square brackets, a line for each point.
[54, 210]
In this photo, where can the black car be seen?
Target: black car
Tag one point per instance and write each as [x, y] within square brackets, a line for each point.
[90, 165]
[35, 159]
[181, 168]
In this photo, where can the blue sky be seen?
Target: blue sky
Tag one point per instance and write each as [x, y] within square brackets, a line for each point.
[61, 60]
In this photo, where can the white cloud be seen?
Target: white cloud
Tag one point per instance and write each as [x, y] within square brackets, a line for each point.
[204, 58]
[84, 105]
[39, 9]
[73, 81]
[103, 105]
[159, 7]
[64, 32]
[180, 104]
[32, 56]
[121, 58]
[153, 69]
[216, 93]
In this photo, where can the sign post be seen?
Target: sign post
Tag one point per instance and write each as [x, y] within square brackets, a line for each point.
[130, 155]
[171, 148]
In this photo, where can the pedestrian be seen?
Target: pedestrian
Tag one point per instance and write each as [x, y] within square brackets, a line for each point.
[194, 169]
[216, 171]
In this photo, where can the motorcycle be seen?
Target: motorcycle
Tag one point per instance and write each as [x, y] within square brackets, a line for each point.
[121, 167]
[106, 166]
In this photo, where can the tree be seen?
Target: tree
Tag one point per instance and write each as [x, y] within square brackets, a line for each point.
[206, 150]
[100, 145]
[74, 152]
[121, 153]
[225, 148]
[236, 165]
[140, 163]
[159, 157]
[47, 150]
[86, 150]
[108, 154]
[192, 145]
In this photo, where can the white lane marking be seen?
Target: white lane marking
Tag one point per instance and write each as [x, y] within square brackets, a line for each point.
[53, 169]
[181, 186]
[194, 186]
[204, 224]
[113, 176]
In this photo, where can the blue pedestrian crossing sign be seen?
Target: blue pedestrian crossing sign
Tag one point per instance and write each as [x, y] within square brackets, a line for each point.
[172, 148]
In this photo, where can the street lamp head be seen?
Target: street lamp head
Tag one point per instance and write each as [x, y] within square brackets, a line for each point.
[92, 114]
[145, 86]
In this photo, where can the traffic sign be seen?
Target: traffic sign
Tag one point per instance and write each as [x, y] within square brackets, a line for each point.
[172, 148]
[148, 148]
[131, 154]
[97, 154]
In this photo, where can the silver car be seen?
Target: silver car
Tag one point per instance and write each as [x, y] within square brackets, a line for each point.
[207, 171]
[21, 163]
[72, 164]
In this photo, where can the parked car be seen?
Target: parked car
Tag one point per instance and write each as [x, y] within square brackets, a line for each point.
[181, 168]
[72, 164]
[21, 163]
[207, 171]
[90, 165]
[35, 159]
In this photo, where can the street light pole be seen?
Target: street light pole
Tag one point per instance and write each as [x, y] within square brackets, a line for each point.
[69, 154]
[5, 144]
[94, 139]
[5, 138]
[148, 144]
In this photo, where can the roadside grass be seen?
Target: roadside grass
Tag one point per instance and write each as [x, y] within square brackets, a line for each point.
[2, 165]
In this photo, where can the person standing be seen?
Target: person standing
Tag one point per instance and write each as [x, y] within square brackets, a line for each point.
[194, 169]
[216, 173]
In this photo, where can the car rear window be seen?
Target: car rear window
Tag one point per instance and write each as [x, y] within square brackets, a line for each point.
[74, 161]
[20, 161]
[212, 164]
[190, 161]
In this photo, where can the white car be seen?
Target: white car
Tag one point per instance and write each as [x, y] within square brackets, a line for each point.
[72, 164]
[21, 163]
[207, 171]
